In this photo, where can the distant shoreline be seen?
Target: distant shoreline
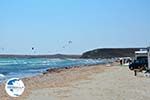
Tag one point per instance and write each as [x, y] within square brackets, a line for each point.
[39, 56]
[92, 54]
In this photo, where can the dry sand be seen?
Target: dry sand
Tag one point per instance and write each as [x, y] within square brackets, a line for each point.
[87, 83]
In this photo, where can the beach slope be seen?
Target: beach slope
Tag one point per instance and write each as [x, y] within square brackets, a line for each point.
[90, 83]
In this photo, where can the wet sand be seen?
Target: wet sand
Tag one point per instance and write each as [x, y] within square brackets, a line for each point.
[98, 82]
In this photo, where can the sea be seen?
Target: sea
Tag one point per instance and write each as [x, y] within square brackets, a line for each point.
[27, 67]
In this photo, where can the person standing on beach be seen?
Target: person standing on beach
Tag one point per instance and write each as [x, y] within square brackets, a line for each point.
[121, 62]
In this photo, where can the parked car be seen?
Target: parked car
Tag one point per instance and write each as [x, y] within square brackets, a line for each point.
[141, 64]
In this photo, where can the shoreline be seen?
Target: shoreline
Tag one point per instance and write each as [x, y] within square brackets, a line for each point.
[53, 70]
[51, 75]
[99, 82]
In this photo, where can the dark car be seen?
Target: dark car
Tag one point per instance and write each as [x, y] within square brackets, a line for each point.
[139, 64]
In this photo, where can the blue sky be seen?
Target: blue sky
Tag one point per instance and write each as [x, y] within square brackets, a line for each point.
[48, 25]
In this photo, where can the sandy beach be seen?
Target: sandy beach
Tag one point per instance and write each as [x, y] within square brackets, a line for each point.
[99, 82]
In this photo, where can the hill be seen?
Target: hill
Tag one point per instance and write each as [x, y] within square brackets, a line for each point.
[110, 53]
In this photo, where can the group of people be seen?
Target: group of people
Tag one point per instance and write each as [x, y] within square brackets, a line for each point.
[125, 61]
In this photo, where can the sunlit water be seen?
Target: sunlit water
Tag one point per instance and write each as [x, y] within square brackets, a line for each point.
[26, 67]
